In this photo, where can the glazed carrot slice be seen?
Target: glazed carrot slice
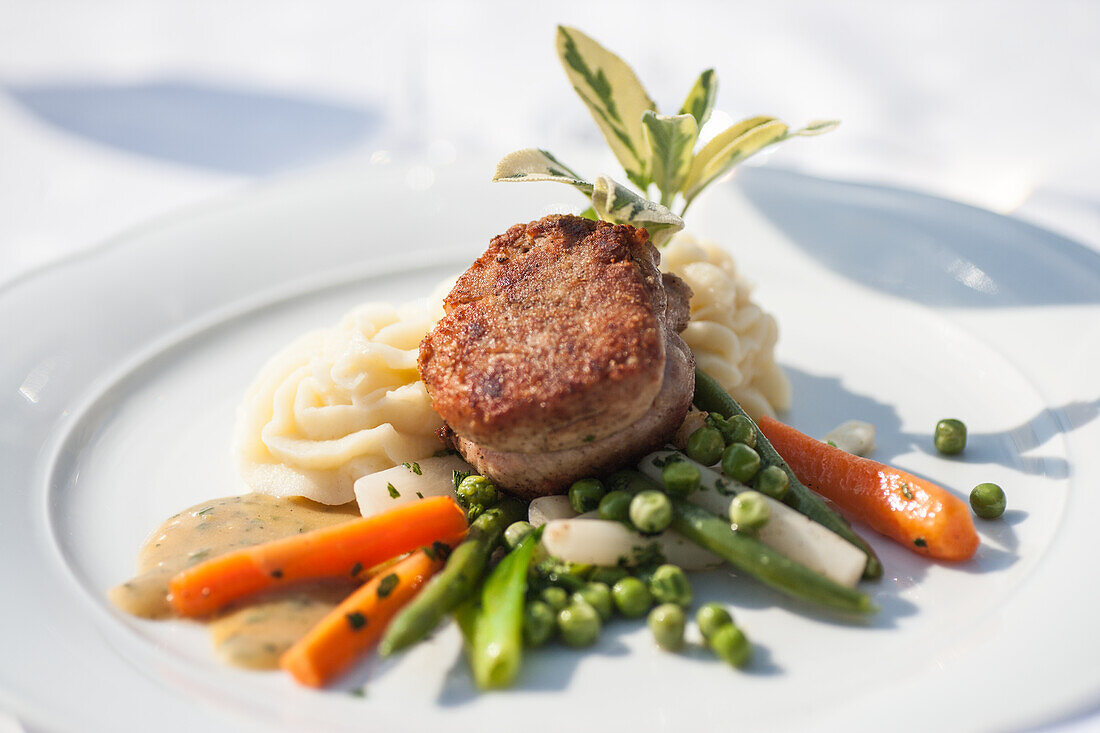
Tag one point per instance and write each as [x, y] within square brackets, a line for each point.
[917, 513]
[342, 550]
[357, 624]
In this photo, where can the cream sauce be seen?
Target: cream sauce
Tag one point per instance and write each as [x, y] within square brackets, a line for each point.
[253, 635]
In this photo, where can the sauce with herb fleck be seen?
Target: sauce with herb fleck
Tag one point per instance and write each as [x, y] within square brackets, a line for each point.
[253, 635]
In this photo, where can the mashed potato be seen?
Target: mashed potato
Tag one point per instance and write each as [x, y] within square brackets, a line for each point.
[732, 338]
[344, 402]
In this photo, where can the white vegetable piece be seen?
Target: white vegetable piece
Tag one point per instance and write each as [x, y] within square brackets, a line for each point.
[855, 436]
[607, 543]
[788, 532]
[435, 479]
[548, 508]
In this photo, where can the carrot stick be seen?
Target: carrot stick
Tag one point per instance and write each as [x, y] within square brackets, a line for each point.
[917, 513]
[343, 550]
[357, 624]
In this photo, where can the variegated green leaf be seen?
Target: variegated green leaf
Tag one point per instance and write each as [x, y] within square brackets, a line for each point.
[618, 204]
[817, 127]
[613, 95]
[700, 100]
[533, 164]
[671, 140]
[728, 149]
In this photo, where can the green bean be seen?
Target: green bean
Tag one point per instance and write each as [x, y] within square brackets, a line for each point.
[666, 622]
[705, 446]
[988, 500]
[495, 648]
[452, 585]
[762, 562]
[585, 495]
[950, 436]
[710, 396]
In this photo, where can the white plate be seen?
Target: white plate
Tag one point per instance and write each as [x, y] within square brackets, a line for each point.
[121, 371]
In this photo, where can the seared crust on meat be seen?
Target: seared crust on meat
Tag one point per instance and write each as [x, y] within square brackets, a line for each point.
[553, 338]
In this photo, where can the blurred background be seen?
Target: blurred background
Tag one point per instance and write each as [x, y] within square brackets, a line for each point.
[113, 113]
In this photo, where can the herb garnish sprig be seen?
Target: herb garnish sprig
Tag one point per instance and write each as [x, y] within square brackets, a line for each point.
[656, 151]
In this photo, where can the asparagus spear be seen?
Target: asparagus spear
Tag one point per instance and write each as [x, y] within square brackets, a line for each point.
[762, 562]
[711, 397]
[452, 585]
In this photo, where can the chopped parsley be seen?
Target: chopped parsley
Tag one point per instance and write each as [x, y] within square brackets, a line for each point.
[648, 555]
[442, 549]
[419, 495]
[394, 493]
[276, 573]
[444, 452]
[829, 442]
[723, 487]
[906, 491]
[458, 476]
[920, 542]
[589, 438]
[202, 512]
[358, 692]
[356, 620]
[387, 584]
[356, 569]
[414, 467]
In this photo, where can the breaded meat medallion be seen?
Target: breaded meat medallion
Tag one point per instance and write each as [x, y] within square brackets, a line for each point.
[559, 354]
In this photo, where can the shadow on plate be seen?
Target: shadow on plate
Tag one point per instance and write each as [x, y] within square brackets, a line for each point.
[237, 130]
[833, 403]
[922, 248]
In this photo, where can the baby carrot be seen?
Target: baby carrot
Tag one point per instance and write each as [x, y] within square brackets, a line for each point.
[357, 624]
[917, 513]
[342, 550]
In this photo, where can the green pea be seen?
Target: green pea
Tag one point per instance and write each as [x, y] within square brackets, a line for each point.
[651, 512]
[742, 431]
[950, 436]
[607, 575]
[669, 584]
[597, 595]
[705, 446]
[988, 500]
[666, 622]
[712, 617]
[773, 482]
[730, 644]
[585, 495]
[516, 532]
[555, 597]
[749, 511]
[631, 597]
[740, 462]
[680, 478]
[539, 623]
[579, 624]
[616, 506]
[477, 490]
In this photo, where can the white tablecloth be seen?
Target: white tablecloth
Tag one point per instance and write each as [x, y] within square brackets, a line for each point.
[113, 112]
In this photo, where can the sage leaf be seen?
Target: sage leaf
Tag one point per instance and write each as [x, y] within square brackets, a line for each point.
[671, 140]
[614, 96]
[700, 100]
[618, 204]
[729, 148]
[533, 164]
